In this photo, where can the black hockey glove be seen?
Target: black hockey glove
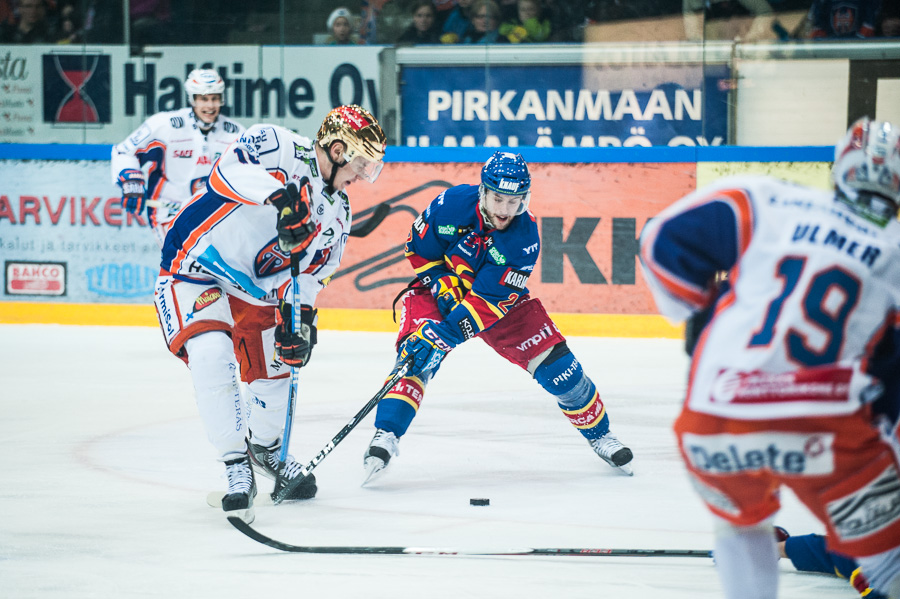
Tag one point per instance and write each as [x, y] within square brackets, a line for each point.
[295, 349]
[295, 230]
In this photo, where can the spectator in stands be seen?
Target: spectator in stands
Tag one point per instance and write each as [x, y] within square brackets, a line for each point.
[340, 28]
[423, 29]
[528, 26]
[442, 8]
[485, 23]
[458, 22]
[151, 22]
[698, 12]
[31, 25]
[70, 30]
[567, 19]
[890, 20]
[843, 19]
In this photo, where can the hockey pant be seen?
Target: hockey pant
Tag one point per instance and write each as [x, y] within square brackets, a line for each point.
[223, 339]
[527, 337]
[838, 466]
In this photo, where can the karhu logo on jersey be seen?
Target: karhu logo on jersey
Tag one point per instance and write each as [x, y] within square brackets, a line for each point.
[206, 299]
[515, 279]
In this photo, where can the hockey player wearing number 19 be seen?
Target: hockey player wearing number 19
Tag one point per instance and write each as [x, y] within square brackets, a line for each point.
[242, 266]
[473, 250]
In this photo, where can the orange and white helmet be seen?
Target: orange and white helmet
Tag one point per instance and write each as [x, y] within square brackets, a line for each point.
[201, 82]
[867, 162]
[362, 136]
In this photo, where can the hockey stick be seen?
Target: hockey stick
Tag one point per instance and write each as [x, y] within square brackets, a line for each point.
[278, 495]
[367, 226]
[292, 397]
[554, 551]
[175, 206]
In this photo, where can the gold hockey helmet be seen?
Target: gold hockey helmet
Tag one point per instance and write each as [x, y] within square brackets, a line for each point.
[362, 136]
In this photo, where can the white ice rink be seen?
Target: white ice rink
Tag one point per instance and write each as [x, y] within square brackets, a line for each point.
[107, 469]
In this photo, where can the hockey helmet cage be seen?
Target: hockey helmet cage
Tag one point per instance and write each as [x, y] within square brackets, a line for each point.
[201, 82]
[867, 162]
[507, 174]
[361, 135]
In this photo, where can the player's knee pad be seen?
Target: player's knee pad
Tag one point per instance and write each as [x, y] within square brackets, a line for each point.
[211, 357]
[561, 374]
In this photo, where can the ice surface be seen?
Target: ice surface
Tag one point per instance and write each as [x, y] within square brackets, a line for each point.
[108, 467]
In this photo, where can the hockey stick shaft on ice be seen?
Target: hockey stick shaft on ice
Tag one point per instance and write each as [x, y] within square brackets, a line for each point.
[279, 494]
[547, 551]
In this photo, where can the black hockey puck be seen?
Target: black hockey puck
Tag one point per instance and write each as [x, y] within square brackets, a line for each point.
[479, 502]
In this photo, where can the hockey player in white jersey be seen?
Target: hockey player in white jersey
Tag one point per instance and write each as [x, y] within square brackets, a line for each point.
[176, 149]
[224, 296]
[801, 352]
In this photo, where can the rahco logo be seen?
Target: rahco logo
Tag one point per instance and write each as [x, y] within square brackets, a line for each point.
[76, 88]
[271, 259]
[206, 299]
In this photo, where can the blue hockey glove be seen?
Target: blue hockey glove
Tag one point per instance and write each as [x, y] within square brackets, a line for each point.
[426, 347]
[131, 180]
[295, 349]
[295, 230]
[448, 291]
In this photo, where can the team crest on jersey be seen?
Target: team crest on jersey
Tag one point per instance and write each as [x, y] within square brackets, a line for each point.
[197, 184]
[514, 279]
[206, 299]
[271, 260]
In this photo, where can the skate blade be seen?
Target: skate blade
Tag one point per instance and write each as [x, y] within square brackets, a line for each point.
[248, 515]
[214, 499]
[626, 469]
[374, 469]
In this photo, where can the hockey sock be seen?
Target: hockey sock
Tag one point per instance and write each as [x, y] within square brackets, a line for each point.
[562, 375]
[747, 560]
[214, 374]
[268, 408]
[394, 415]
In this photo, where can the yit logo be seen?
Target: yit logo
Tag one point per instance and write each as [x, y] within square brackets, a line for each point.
[76, 88]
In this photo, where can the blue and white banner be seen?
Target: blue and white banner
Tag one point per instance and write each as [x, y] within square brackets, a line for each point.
[565, 105]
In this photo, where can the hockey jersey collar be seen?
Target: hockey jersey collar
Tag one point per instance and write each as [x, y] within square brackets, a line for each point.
[195, 125]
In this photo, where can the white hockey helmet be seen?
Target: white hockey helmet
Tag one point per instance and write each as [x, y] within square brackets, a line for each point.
[867, 163]
[362, 136]
[201, 82]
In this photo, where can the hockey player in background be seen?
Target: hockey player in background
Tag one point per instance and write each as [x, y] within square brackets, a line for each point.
[177, 149]
[473, 250]
[224, 296]
[801, 352]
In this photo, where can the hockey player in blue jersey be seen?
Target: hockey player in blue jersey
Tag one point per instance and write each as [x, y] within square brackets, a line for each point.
[473, 250]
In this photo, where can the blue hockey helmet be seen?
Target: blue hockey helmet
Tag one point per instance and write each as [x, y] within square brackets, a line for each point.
[507, 174]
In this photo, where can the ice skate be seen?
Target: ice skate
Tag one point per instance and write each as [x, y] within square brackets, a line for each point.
[379, 453]
[611, 450]
[238, 500]
[265, 461]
